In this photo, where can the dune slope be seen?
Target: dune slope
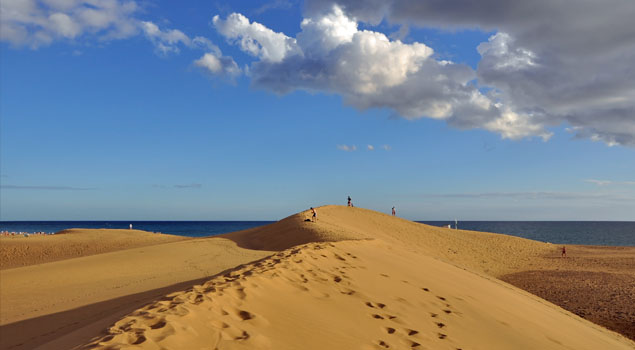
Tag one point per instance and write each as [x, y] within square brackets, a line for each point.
[354, 295]
[363, 280]
[77, 297]
[17, 251]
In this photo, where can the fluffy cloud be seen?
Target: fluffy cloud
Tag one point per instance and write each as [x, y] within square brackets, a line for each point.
[369, 70]
[165, 41]
[554, 62]
[36, 23]
[255, 38]
[215, 64]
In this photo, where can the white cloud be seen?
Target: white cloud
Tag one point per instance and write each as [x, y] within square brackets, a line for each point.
[331, 54]
[552, 63]
[218, 65]
[370, 147]
[386, 147]
[502, 55]
[255, 38]
[165, 41]
[327, 32]
[347, 148]
[34, 24]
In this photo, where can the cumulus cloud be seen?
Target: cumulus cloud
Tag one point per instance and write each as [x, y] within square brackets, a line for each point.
[37, 23]
[331, 54]
[370, 147]
[255, 38]
[165, 41]
[215, 64]
[552, 62]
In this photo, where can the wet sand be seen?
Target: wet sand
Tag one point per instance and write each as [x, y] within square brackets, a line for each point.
[594, 282]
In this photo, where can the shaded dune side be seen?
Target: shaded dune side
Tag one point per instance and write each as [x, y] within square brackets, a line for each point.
[491, 253]
[21, 251]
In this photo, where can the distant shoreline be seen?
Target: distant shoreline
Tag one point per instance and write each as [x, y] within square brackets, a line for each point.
[599, 233]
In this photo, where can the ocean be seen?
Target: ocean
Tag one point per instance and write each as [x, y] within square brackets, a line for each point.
[613, 233]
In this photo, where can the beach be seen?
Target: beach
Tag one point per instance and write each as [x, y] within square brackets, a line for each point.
[355, 279]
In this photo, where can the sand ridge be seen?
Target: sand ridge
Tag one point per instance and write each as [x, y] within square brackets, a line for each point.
[491, 253]
[17, 251]
[353, 295]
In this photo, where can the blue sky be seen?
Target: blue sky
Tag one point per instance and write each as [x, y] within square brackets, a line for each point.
[136, 126]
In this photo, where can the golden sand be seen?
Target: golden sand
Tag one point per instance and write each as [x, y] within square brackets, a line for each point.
[356, 279]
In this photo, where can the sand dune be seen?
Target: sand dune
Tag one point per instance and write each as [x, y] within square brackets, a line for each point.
[41, 303]
[356, 279]
[354, 295]
[16, 251]
[491, 253]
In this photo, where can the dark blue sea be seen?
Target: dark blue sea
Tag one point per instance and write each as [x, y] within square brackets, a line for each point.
[614, 233]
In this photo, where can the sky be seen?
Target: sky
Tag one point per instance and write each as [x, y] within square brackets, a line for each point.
[255, 110]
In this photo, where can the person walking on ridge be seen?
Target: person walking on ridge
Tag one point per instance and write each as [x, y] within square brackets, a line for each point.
[350, 204]
[394, 212]
[314, 216]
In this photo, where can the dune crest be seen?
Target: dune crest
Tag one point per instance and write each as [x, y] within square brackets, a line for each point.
[491, 253]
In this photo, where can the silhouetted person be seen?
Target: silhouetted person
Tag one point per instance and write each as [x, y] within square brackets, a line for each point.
[564, 251]
[394, 212]
[350, 203]
[314, 216]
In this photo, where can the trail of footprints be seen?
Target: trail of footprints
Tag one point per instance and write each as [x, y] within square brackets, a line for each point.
[223, 297]
[398, 335]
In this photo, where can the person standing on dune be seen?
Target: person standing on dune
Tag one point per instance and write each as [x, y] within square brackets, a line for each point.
[394, 212]
[350, 204]
[314, 216]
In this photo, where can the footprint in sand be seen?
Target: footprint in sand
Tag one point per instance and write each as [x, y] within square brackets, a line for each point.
[380, 317]
[158, 325]
[384, 344]
[140, 339]
[375, 305]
